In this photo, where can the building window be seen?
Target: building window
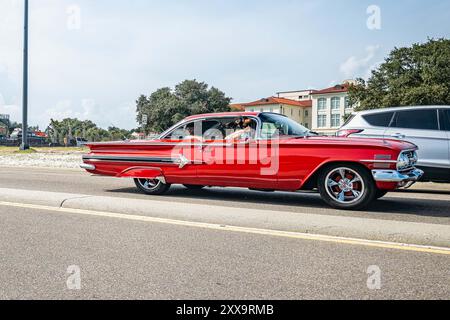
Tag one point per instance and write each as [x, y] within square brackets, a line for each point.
[335, 103]
[322, 104]
[348, 105]
[307, 125]
[321, 121]
[306, 113]
[292, 112]
[335, 120]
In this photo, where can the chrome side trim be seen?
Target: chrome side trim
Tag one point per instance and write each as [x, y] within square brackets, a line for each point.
[129, 159]
[181, 161]
[87, 166]
[379, 161]
[395, 176]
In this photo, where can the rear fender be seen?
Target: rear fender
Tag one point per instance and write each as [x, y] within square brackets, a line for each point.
[142, 173]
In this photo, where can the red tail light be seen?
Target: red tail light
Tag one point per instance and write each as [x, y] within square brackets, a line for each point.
[347, 132]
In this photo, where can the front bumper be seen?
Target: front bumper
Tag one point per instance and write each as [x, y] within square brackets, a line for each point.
[402, 178]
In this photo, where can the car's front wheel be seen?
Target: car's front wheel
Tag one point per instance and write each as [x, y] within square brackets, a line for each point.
[346, 186]
[152, 186]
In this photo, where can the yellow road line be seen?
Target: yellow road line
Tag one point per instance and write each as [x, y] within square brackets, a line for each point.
[266, 232]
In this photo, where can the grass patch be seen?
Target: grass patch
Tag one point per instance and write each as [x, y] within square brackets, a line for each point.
[15, 150]
[31, 150]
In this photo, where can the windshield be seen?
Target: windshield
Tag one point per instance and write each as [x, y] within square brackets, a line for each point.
[274, 125]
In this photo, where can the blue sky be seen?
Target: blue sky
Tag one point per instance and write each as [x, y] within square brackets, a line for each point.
[92, 59]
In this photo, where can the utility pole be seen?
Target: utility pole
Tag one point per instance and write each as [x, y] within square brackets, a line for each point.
[24, 145]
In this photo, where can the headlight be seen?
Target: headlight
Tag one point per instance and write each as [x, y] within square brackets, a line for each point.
[414, 159]
[403, 162]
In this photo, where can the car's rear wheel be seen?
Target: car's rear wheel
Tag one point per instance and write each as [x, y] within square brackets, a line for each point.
[346, 186]
[152, 186]
[380, 194]
[193, 186]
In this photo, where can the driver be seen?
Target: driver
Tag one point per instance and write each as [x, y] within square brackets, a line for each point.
[246, 131]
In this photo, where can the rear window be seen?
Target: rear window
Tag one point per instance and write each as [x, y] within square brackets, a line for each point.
[379, 119]
[416, 119]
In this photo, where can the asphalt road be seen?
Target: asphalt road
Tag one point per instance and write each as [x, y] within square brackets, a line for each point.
[126, 259]
[134, 260]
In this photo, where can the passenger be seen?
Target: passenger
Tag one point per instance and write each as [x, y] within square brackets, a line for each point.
[190, 135]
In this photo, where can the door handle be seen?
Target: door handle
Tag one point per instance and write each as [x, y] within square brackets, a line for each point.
[398, 136]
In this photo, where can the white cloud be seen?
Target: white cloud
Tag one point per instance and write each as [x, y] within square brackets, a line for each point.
[355, 67]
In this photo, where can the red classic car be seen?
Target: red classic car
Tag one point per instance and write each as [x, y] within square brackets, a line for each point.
[259, 151]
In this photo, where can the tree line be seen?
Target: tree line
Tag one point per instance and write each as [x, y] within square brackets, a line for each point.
[60, 132]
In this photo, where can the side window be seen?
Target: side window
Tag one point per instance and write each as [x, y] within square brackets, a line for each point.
[379, 119]
[444, 119]
[194, 129]
[182, 132]
[416, 119]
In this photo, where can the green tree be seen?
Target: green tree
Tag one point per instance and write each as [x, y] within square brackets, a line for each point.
[70, 128]
[118, 134]
[416, 75]
[165, 106]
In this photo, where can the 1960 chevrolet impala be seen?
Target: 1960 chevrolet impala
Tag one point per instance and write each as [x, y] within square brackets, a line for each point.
[259, 151]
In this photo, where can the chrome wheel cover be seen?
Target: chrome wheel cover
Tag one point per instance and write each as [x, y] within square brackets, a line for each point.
[344, 185]
[149, 184]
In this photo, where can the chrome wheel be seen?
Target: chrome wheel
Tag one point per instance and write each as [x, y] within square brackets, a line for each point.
[344, 185]
[149, 184]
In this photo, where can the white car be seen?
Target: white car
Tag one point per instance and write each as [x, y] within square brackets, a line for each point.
[428, 127]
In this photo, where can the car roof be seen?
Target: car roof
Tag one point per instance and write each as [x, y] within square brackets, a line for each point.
[223, 114]
[401, 109]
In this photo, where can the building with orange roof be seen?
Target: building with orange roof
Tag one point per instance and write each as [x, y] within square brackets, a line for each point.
[299, 111]
[330, 107]
[321, 110]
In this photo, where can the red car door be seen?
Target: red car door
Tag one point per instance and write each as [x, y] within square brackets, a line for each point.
[238, 164]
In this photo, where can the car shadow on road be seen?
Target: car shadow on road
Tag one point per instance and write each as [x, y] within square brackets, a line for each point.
[423, 191]
[236, 198]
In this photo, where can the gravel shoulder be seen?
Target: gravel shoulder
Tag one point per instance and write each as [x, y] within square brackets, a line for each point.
[42, 158]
